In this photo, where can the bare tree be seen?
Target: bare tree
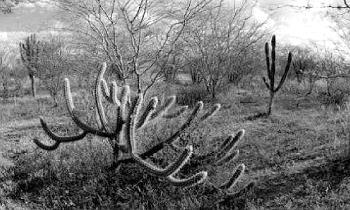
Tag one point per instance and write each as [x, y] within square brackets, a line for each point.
[304, 66]
[216, 41]
[11, 75]
[53, 65]
[319, 65]
[132, 34]
[330, 68]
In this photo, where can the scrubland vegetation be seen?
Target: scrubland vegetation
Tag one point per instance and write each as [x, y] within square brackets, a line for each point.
[88, 119]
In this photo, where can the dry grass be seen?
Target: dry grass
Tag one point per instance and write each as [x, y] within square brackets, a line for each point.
[298, 158]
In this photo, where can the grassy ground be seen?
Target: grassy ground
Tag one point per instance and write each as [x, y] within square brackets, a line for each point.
[297, 159]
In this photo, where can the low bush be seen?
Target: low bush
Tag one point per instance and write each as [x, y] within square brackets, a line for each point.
[190, 95]
[338, 98]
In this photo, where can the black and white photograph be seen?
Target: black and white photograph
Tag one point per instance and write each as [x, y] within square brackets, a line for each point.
[174, 104]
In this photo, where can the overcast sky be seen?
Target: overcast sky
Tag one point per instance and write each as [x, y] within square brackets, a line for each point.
[297, 25]
[291, 25]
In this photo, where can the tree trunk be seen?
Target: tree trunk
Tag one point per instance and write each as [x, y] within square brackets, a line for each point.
[272, 94]
[32, 80]
[213, 95]
[311, 86]
[55, 99]
[213, 92]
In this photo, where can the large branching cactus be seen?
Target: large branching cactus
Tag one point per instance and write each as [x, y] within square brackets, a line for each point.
[132, 114]
[271, 71]
[30, 51]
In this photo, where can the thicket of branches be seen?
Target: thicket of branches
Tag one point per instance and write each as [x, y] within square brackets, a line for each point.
[134, 37]
[220, 45]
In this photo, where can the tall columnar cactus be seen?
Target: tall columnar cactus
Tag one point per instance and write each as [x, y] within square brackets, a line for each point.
[30, 51]
[271, 71]
[132, 115]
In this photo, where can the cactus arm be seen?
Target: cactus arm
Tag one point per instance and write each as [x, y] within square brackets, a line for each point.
[223, 153]
[175, 114]
[105, 90]
[100, 126]
[113, 93]
[127, 132]
[61, 139]
[242, 191]
[211, 112]
[100, 109]
[98, 97]
[164, 107]
[188, 122]
[68, 96]
[124, 114]
[98, 120]
[267, 55]
[75, 118]
[147, 113]
[175, 136]
[265, 82]
[22, 48]
[220, 154]
[211, 157]
[273, 61]
[191, 181]
[286, 70]
[25, 55]
[152, 150]
[119, 121]
[88, 128]
[172, 169]
[226, 142]
[228, 158]
[230, 145]
[46, 147]
[135, 111]
[110, 93]
[234, 178]
[125, 96]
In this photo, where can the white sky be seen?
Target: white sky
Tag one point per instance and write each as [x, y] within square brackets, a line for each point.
[300, 26]
[295, 26]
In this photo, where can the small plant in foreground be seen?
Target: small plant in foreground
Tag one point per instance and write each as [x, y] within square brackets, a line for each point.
[271, 71]
[131, 116]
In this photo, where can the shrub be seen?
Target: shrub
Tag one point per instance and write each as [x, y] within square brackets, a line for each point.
[189, 95]
[336, 94]
[10, 82]
[338, 98]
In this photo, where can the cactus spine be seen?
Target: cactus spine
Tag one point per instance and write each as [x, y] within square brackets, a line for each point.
[29, 51]
[271, 71]
[133, 114]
